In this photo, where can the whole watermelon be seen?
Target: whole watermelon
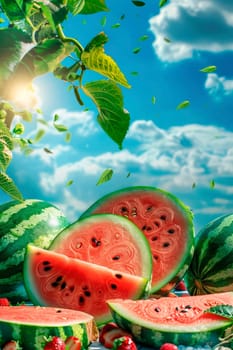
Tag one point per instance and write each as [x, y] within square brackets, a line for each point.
[211, 269]
[31, 221]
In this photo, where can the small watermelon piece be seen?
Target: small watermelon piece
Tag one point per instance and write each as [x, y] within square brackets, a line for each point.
[31, 221]
[53, 279]
[180, 320]
[165, 221]
[211, 270]
[107, 240]
[31, 326]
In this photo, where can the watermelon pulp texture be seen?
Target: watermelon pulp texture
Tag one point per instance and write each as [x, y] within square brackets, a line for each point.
[181, 320]
[31, 325]
[211, 268]
[34, 221]
[165, 221]
[108, 240]
[53, 279]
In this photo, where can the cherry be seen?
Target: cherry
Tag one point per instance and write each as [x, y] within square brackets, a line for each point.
[168, 346]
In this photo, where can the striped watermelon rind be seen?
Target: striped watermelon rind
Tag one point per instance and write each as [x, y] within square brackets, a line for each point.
[181, 321]
[211, 268]
[34, 221]
[138, 204]
[32, 325]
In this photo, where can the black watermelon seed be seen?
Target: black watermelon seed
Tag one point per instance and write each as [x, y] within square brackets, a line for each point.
[116, 257]
[166, 244]
[81, 300]
[95, 242]
[113, 286]
[63, 285]
[58, 311]
[55, 284]
[46, 262]
[71, 289]
[163, 217]
[87, 293]
[118, 275]
[47, 268]
[157, 309]
[171, 231]
[59, 278]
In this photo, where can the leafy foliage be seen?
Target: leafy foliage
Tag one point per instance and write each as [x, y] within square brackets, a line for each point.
[32, 43]
[222, 310]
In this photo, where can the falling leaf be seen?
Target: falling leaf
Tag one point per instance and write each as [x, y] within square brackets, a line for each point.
[143, 37]
[116, 25]
[138, 3]
[153, 100]
[183, 104]
[122, 17]
[103, 21]
[128, 175]
[134, 73]
[47, 150]
[194, 185]
[162, 3]
[167, 40]
[212, 184]
[209, 69]
[70, 182]
[60, 127]
[105, 176]
[136, 50]
[56, 117]
[68, 137]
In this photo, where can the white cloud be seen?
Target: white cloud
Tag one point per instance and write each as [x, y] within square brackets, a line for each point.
[192, 25]
[218, 86]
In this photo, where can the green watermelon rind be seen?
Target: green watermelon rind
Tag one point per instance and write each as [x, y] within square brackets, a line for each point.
[212, 273]
[21, 223]
[33, 336]
[154, 335]
[137, 235]
[179, 271]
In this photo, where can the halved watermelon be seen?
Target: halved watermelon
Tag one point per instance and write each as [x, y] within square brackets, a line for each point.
[108, 240]
[53, 279]
[31, 325]
[165, 221]
[180, 320]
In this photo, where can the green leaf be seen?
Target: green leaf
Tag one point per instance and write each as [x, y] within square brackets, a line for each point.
[40, 133]
[162, 3]
[103, 21]
[209, 69]
[69, 183]
[14, 9]
[108, 99]
[60, 127]
[144, 37]
[183, 104]
[153, 100]
[212, 184]
[47, 150]
[98, 61]
[7, 185]
[105, 176]
[6, 146]
[41, 59]
[98, 41]
[94, 7]
[116, 25]
[222, 310]
[136, 50]
[138, 3]
[75, 6]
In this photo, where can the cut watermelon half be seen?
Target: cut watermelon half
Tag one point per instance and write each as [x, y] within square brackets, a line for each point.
[166, 223]
[108, 240]
[180, 320]
[53, 279]
[32, 325]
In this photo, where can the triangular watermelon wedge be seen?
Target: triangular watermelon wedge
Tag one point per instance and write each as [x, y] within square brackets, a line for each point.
[53, 279]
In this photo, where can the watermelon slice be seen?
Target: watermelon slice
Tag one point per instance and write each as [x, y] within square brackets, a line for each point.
[53, 279]
[180, 320]
[31, 325]
[108, 240]
[165, 221]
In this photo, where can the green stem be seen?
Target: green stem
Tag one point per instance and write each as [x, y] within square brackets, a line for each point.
[68, 39]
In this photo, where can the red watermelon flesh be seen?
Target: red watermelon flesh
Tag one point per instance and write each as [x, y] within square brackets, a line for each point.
[108, 240]
[165, 221]
[53, 279]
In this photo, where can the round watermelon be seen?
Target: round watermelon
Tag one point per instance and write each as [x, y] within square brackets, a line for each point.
[182, 320]
[53, 279]
[211, 269]
[34, 221]
[31, 326]
[108, 240]
[166, 222]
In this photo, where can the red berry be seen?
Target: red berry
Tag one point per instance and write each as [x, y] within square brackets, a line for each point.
[55, 344]
[109, 332]
[4, 302]
[124, 343]
[168, 346]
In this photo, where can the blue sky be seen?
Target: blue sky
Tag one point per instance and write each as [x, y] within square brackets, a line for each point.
[181, 151]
